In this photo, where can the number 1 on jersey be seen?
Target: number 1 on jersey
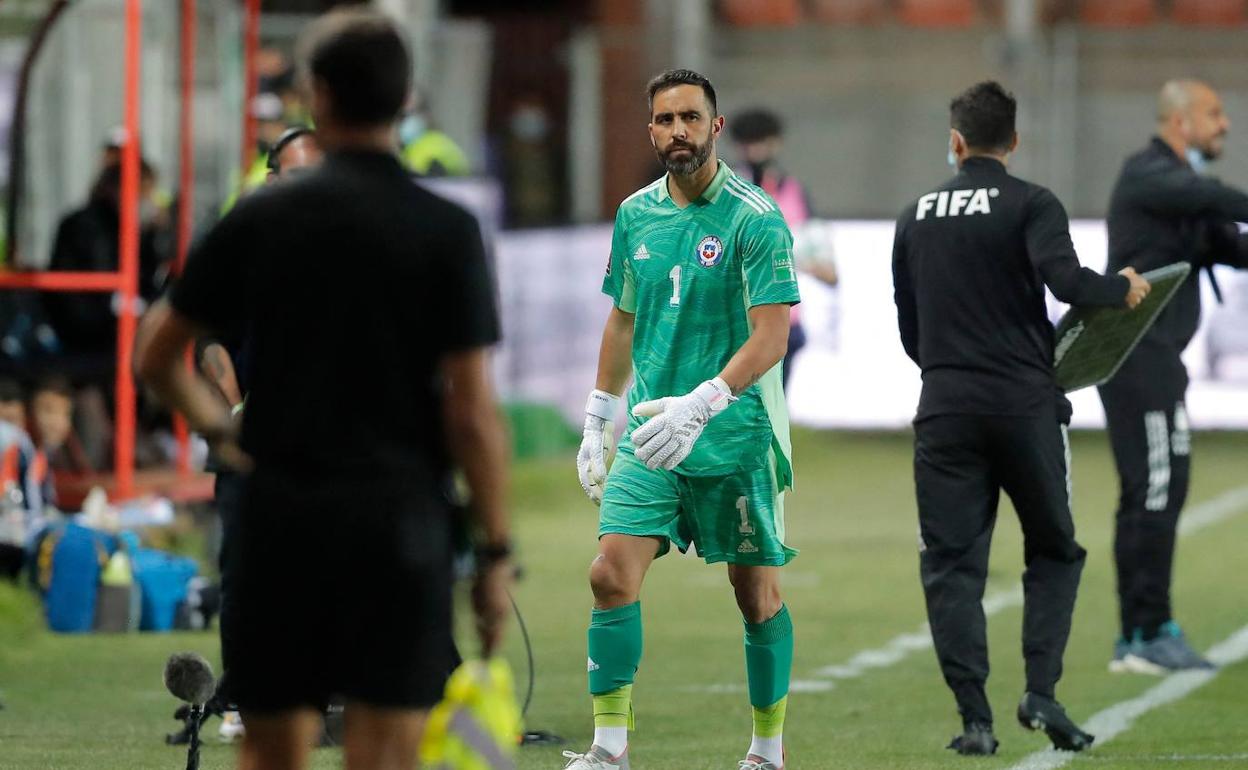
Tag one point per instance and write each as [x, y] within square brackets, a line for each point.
[675, 276]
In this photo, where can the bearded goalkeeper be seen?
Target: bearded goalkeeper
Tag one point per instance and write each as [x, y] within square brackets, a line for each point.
[701, 275]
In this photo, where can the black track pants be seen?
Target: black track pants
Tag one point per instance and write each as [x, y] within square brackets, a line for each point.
[961, 464]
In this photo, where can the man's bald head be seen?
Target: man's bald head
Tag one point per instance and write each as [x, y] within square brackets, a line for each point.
[1178, 95]
[1190, 115]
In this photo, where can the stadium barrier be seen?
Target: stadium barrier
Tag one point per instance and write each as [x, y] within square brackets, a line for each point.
[853, 372]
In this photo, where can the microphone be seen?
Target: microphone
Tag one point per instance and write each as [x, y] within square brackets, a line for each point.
[189, 678]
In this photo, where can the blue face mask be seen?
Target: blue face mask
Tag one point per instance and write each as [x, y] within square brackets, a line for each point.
[410, 129]
[952, 159]
[1197, 160]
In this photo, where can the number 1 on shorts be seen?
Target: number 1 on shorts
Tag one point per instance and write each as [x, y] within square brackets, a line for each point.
[746, 527]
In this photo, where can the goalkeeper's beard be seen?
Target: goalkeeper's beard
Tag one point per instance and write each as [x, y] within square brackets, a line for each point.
[698, 155]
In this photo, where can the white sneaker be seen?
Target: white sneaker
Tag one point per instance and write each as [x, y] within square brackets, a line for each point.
[595, 759]
[755, 762]
[231, 727]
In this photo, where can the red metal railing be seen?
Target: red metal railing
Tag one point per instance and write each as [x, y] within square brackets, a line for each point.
[126, 279]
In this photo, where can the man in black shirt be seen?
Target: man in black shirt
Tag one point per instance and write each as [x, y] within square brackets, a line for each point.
[369, 308]
[1163, 211]
[970, 263]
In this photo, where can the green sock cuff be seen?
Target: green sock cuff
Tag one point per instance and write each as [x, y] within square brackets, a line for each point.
[769, 720]
[615, 708]
[772, 630]
[615, 614]
[615, 644]
[769, 658]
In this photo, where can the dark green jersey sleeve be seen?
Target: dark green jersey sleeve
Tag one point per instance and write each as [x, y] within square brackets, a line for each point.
[618, 282]
[767, 261]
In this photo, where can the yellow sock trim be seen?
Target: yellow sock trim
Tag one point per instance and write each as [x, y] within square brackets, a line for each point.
[769, 720]
[615, 708]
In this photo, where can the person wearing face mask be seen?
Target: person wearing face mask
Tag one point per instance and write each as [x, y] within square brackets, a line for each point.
[759, 137]
[87, 240]
[85, 323]
[971, 260]
[425, 150]
[1163, 210]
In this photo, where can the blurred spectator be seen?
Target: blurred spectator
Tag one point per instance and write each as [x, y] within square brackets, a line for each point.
[530, 160]
[759, 136]
[276, 105]
[12, 405]
[24, 486]
[426, 150]
[22, 467]
[52, 419]
[87, 240]
[110, 153]
[85, 322]
[295, 153]
[269, 112]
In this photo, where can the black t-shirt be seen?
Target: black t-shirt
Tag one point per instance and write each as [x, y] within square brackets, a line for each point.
[351, 284]
[970, 263]
[1161, 212]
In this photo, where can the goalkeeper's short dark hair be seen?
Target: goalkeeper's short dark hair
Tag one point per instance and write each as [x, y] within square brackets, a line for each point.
[673, 78]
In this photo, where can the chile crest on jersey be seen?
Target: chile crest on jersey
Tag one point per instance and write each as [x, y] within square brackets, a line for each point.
[710, 251]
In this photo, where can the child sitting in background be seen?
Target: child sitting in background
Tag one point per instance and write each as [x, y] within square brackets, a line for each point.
[23, 480]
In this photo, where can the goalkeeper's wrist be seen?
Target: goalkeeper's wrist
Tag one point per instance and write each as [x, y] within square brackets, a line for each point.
[602, 405]
[716, 393]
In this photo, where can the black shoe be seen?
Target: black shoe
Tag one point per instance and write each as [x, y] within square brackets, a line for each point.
[976, 741]
[1036, 712]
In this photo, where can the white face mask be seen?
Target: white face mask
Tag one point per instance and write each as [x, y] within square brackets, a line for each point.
[952, 159]
[1197, 160]
[410, 128]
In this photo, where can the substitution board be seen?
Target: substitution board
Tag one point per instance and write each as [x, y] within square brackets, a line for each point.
[1092, 343]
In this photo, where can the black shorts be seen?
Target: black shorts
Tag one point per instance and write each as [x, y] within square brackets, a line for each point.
[340, 589]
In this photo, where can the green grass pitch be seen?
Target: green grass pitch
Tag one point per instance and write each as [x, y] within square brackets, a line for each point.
[97, 702]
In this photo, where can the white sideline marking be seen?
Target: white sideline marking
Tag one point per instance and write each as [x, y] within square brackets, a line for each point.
[1170, 758]
[1119, 718]
[1211, 512]
[1225, 506]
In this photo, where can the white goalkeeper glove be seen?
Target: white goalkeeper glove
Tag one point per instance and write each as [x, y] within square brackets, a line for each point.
[591, 460]
[675, 423]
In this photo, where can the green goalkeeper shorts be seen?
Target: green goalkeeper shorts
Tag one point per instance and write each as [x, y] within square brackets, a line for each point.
[737, 519]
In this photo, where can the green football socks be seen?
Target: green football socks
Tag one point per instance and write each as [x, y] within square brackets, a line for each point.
[614, 654]
[769, 658]
[768, 663]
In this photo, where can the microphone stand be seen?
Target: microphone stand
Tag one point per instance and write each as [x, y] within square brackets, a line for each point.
[193, 721]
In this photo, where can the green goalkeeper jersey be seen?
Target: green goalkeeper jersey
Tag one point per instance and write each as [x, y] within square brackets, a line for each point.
[690, 276]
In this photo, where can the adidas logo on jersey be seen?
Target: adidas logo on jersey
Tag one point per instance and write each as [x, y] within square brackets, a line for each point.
[592, 665]
[641, 252]
[953, 203]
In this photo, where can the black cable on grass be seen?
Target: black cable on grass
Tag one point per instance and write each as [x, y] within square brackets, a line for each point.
[528, 649]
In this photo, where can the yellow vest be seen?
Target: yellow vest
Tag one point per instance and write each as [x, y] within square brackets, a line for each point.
[435, 147]
[256, 176]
